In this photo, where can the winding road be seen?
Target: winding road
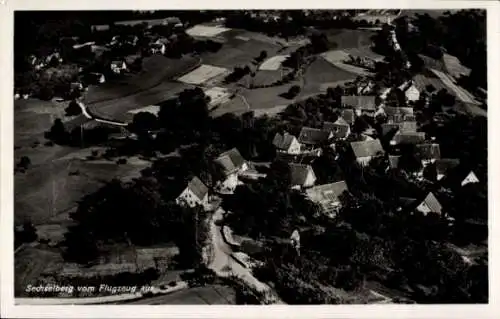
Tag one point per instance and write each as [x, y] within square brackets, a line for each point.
[224, 265]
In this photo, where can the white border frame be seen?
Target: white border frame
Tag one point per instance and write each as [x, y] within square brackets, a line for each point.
[341, 311]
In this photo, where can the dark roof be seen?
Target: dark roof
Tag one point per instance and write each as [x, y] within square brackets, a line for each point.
[394, 161]
[445, 165]
[367, 148]
[309, 135]
[283, 141]
[421, 81]
[431, 201]
[198, 188]
[428, 151]
[348, 115]
[230, 161]
[409, 138]
[339, 128]
[389, 127]
[299, 173]
[363, 102]
[327, 195]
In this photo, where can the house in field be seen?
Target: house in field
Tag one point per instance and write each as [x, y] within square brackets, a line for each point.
[118, 66]
[365, 151]
[229, 164]
[327, 196]
[445, 166]
[196, 193]
[411, 92]
[427, 152]
[302, 175]
[340, 128]
[430, 204]
[348, 115]
[312, 138]
[362, 104]
[286, 143]
[470, 179]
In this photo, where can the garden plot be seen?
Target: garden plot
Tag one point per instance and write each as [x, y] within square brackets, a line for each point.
[203, 74]
[206, 31]
[335, 56]
[217, 96]
[273, 63]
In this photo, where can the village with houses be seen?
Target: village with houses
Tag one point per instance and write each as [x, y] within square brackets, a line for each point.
[252, 157]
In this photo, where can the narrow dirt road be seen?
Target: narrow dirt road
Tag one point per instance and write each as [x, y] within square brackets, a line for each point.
[223, 263]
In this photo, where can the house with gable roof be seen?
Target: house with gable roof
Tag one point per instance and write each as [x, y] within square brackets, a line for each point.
[470, 179]
[340, 128]
[196, 193]
[365, 151]
[302, 175]
[312, 138]
[228, 165]
[363, 104]
[427, 152]
[327, 196]
[286, 143]
[430, 204]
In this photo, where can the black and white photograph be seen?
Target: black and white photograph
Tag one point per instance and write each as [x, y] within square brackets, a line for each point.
[250, 157]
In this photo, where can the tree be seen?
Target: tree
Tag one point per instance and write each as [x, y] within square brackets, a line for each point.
[24, 163]
[293, 91]
[144, 122]
[58, 133]
[73, 109]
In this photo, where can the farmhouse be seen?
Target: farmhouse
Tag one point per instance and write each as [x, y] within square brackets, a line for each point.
[470, 179]
[196, 193]
[428, 152]
[363, 104]
[366, 150]
[430, 204]
[340, 128]
[327, 196]
[118, 66]
[311, 138]
[398, 114]
[286, 143]
[302, 175]
[229, 164]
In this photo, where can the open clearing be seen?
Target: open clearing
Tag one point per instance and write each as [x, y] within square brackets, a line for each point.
[206, 31]
[345, 38]
[237, 52]
[273, 63]
[156, 69]
[202, 74]
[44, 191]
[217, 96]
